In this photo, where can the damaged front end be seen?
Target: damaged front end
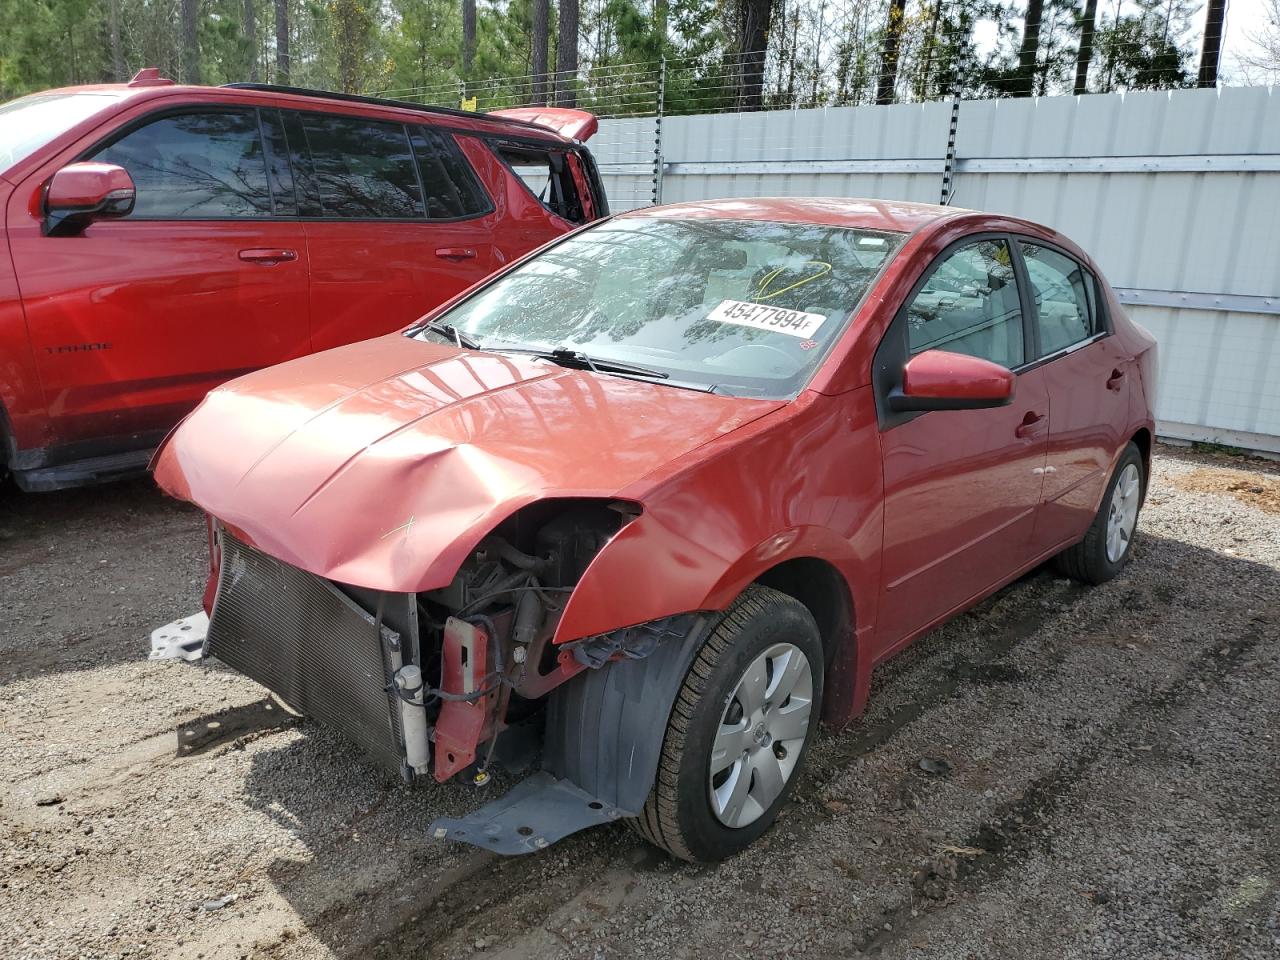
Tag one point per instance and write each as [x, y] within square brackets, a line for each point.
[426, 683]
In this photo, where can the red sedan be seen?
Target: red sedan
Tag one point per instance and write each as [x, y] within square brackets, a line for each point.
[686, 475]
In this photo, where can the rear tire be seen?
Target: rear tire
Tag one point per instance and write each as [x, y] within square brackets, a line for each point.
[748, 706]
[1108, 543]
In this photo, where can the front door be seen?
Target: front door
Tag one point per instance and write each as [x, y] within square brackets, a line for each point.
[961, 486]
[133, 321]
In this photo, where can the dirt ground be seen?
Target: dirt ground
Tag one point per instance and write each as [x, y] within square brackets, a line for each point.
[1111, 786]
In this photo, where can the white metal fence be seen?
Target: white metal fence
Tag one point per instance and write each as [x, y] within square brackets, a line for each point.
[1177, 194]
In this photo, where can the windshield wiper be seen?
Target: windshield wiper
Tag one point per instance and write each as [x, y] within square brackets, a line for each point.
[460, 339]
[566, 356]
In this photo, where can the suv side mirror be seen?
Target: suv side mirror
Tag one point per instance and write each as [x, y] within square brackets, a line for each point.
[81, 193]
[941, 380]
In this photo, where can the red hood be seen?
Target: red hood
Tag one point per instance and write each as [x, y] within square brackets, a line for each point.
[381, 464]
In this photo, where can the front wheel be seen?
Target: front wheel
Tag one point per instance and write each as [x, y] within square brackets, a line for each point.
[1108, 543]
[739, 730]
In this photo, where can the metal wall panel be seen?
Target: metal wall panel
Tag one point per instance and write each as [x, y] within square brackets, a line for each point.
[1173, 192]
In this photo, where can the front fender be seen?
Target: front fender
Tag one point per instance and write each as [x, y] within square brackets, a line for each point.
[806, 485]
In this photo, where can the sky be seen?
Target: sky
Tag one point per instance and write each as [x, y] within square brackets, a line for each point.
[1244, 18]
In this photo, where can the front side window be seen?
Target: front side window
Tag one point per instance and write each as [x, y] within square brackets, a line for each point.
[747, 307]
[28, 123]
[363, 169]
[970, 305]
[1059, 287]
[195, 165]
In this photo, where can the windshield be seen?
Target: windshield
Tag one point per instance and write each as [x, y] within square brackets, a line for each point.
[28, 123]
[747, 307]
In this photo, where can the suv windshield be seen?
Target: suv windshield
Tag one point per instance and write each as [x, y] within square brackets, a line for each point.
[28, 123]
[745, 306]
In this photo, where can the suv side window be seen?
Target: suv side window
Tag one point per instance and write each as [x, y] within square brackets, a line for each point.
[970, 305]
[452, 190]
[363, 169]
[205, 165]
[1060, 289]
[547, 175]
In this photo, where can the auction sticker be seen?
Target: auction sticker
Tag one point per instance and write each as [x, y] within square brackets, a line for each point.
[793, 323]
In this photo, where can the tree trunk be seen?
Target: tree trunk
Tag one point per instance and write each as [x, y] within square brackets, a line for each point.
[927, 53]
[117, 52]
[889, 58]
[1024, 83]
[251, 38]
[468, 37]
[191, 41]
[282, 42]
[754, 18]
[541, 14]
[1212, 49]
[567, 55]
[1085, 53]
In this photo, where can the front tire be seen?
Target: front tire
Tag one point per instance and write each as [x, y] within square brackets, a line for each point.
[739, 731]
[1108, 543]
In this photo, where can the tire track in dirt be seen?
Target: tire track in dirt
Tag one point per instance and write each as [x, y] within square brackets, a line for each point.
[1019, 827]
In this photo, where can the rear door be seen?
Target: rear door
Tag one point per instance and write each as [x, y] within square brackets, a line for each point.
[396, 222]
[133, 321]
[1087, 373]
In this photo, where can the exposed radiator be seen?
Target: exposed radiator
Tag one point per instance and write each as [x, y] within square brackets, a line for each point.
[298, 635]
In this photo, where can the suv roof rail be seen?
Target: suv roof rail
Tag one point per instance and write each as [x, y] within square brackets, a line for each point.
[384, 102]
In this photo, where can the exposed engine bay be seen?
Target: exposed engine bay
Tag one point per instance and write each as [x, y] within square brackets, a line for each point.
[425, 683]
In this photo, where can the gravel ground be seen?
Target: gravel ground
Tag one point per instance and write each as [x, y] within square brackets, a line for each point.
[1111, 790]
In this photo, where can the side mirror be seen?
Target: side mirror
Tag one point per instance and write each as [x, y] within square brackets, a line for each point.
[81, 193]
[941, 380]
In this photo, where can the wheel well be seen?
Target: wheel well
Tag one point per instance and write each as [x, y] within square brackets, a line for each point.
[1142, 440]
[821, 588]
[6, 439]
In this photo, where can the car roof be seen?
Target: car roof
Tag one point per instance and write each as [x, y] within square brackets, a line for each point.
[125, 93]
[867, 214]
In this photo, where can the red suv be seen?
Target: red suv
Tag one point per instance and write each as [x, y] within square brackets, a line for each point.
[161, 239]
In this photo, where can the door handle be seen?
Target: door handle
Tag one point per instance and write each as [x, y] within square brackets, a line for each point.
[1030, 425]
[264, 255]
[456, 253]
[1115, 381]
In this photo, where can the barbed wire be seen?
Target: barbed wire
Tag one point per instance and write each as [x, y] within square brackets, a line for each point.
[935, 66]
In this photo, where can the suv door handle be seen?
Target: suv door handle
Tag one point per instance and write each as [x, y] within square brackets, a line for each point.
[264, 255]
[1030, 425]
[1115, 381]
[456, 253]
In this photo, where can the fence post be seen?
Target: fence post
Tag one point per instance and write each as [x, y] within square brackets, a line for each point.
[657, 132]
[949, 166]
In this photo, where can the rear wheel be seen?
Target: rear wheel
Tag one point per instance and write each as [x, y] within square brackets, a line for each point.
[1108, 543]
[739, 730]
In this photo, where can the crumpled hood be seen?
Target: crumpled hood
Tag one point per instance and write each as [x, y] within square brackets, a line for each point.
[381, 464]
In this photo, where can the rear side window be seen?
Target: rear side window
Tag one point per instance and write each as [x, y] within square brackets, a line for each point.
[1060, 289]
[363, 169]
[449, 182]
[970, 305]
[547, 175]
[196, 165]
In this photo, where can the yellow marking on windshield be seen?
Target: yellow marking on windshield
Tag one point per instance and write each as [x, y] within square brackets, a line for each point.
[763, 292]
